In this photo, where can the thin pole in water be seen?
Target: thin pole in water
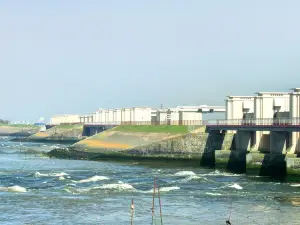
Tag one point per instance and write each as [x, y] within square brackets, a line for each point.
[154, 187]
[132, 211]
[228, 221]
[161, 220]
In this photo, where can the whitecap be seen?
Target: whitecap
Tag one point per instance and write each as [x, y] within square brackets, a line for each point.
[61, 178]
[38, 174]
[167, 189]
[193, 177]
[184, 173]
[162, 189]
[119, 187]
[295, 185]
[92, 179]
[213, 194]
[218, 173]
[236, 186]
[15, 188]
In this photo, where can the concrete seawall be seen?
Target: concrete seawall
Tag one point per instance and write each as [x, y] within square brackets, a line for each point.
[59, 134]
[17, 131]
[196, 146]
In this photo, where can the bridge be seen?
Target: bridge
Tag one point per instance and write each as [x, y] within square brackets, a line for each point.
[282, 124]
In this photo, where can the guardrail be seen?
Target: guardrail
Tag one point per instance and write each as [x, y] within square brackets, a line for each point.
[234, 122]
[154, 123]
[257, 122]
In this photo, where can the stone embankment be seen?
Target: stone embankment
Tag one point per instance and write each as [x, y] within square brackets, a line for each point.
[148, 143]
[60, 133]
[17, 130]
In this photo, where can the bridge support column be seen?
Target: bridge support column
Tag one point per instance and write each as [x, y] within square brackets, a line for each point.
[266, 164]
[294, 143]
[261, 141]
[278, 142]
[228, 159]
[245, 140]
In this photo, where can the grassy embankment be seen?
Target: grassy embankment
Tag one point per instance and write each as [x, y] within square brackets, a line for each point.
[133, 142]
[59, 133]
[18, 125]
[17, 129]
[129, 136]
[152, 129]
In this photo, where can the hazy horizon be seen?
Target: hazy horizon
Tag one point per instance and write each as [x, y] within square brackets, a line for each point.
[61, 57]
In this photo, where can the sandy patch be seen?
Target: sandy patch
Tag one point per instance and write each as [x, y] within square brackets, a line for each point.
[102, 144]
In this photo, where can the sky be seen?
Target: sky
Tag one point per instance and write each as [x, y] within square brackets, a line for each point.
[65, 57]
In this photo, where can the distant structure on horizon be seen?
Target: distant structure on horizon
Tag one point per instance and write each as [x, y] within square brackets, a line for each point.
[180, 115]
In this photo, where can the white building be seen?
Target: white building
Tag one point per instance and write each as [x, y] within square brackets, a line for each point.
[140, 115]
[239, 107]
[295, 115]
[125, 115]
[86, 118]
[67, 118]
[269, 105]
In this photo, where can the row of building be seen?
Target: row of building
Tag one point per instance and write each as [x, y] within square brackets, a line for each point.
[180, 115]
[266, 108]
[264, 105]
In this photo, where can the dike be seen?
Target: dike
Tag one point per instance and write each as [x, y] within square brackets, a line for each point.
[57, 134]
[182, 143]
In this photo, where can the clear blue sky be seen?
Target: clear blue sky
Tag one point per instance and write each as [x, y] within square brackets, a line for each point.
[76, 56]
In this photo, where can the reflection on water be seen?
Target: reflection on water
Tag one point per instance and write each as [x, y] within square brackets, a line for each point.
[38, 190]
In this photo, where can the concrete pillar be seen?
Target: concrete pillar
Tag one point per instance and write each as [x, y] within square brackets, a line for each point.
[294, 143]
[244, 140]
[294, 113]
[278, 142]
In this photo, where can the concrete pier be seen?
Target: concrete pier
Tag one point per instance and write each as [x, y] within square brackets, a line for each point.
[268, 164]
[232, 160]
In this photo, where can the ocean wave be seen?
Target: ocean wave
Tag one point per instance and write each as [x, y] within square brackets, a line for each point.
[118, 186]
[15, 188]
[236, 186]
[184, 173]
[38, 174]
[213, 194]
[218, 173]
[295, 185]
[162, 189]
[92, 179]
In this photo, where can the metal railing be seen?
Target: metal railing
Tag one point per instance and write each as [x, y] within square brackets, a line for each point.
[155, 123]
[234, 122]
[257, 122]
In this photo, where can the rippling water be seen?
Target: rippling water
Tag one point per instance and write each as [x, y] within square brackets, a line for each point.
[38, 190]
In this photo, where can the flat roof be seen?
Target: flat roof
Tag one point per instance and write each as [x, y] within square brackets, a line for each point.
[270, 93]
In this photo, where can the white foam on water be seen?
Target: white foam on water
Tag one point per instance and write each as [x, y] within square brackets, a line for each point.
[92, 179]
[236, 186]
[119, 187]
[184, 173]
[167, 189]
[163, 189]
[38, 174]
[61, 178]
[15, 188]
[213, 194]
[193, 177]
[218, 173]
[295, 185]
